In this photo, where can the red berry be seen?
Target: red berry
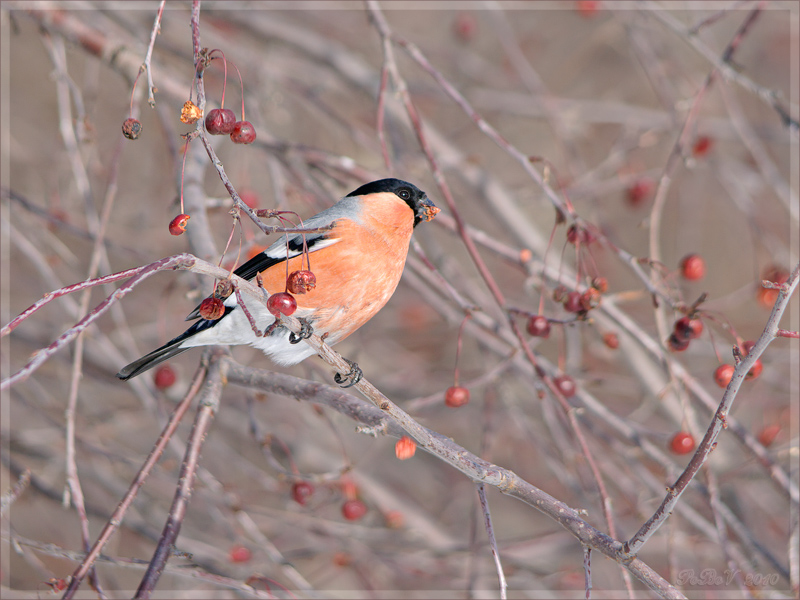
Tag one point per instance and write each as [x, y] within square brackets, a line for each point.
[693, 267]
[131, 128]
[702, 145]
[590, 299]
[212, 308]
[243, 133]
[576, 234]
[611, 340]
[250, 198]
[281, 303]
[723, 375]
[456, 396]
[587, 8]
[405, 448]
[767, 297]
[757, 367]
[755, 370]
[538, 326]
[573, 302]
[300, 282]
[465, 26]
[688, 329]
[682, 443]
[239, 554]
[640, 191]
[302, 491]
[394, 519]
[220, 121]
[354, 509]
[566, 385]
[165, 377]
[676, 344]
[178, 225]
[768, 434]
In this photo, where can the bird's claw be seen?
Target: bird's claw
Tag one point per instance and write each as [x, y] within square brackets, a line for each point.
[305, 332]
[351, 378]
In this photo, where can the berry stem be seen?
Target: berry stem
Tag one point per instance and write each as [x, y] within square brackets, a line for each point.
[467, 317]
[183, 168]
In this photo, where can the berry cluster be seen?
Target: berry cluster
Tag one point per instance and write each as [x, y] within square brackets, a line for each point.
[685, 330]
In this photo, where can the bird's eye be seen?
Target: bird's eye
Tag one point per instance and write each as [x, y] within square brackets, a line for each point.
[404, 193]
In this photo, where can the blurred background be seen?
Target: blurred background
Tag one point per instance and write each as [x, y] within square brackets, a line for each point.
[626, 111]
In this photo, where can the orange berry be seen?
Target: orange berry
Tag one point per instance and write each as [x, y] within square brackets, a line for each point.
[768, 434]
[611, 340]
[405, 448]
[456, 396]
[693, 267]
[723, 375]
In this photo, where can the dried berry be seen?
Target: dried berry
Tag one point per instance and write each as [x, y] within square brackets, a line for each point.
[301, 282]
[600, 284]
[131, 128]
[190, 113]
[212, 308]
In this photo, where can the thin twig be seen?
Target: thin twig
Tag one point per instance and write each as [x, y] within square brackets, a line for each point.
[119, 513]
[487, 522]
[207, 409]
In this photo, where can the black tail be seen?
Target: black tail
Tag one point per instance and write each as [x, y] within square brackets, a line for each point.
[168, 350]
[148, 361]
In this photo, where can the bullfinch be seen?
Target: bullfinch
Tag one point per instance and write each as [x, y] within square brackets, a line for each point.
[357, 264]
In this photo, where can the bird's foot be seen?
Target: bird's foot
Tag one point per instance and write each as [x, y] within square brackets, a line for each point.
[351, 378]
[305, 332]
